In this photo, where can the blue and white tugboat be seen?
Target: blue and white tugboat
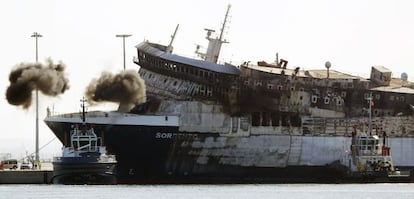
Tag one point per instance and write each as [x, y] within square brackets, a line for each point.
[370, 157]
[85, 161]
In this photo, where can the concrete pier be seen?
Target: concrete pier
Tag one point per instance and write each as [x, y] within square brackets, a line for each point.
[26, 176]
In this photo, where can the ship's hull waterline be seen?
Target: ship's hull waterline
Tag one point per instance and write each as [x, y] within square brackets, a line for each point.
[78, 173]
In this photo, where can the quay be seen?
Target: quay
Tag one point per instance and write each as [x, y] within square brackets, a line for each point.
[26, 176]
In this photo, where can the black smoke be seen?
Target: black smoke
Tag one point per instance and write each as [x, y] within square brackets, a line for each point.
[48, 78]
[126, 88]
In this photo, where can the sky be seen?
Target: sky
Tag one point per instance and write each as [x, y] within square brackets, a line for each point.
[353, 35]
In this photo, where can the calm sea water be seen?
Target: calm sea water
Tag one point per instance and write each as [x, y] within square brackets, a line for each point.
[280, 191]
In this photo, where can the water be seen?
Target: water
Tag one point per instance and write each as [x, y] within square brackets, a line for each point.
[280, 191]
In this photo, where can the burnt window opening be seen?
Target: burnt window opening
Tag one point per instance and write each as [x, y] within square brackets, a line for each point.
[314, 99]
[269, 86]
[279, 87]
[327, 100]
[285, 120]
[338, 101]
[295, 120]
[265, 119]
[301, 98]
[209, 92]
[256, 119]
[343, 94]
[301, 89]
[292, 88]
[275, 118]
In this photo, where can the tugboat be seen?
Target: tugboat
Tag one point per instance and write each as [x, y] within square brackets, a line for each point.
[370, 158]
[85, 160]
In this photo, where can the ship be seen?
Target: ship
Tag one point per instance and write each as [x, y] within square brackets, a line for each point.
[84, 161]
[210, 122]
[369, 159]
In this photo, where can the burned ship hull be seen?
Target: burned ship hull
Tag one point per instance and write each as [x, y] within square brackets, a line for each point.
[163, 154]
[212, 123]
[159, 152]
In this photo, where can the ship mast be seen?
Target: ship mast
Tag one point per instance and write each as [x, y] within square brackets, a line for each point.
[170, 47]
[214, 44]
[83, 100]
[369, 114]
[224, 24]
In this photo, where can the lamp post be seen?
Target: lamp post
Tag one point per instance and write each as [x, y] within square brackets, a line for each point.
[37, 35]
[123, 42]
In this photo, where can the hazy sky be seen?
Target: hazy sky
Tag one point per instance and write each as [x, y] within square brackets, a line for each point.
[353, 35]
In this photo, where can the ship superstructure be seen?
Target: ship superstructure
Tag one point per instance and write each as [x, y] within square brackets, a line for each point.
[210, 122]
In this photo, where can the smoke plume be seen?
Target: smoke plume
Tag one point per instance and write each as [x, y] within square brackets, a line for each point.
[127, 88]
[49, 78]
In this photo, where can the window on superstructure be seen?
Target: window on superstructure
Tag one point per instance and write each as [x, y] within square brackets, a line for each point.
[402, 98]
[202, 90]
[275, 118]
[295, 120]
[314, 99]
[269, 86]
[285, 120]
[343, 94]
[265, 119]
[301, 89]
[392, 97]
[256, 119]
[377, 96]
[209, 91]
[338, 101]
[292, 88]
[279, 87]
[327, 100]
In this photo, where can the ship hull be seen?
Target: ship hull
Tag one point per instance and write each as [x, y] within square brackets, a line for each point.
[163, 154]
[78, 172]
